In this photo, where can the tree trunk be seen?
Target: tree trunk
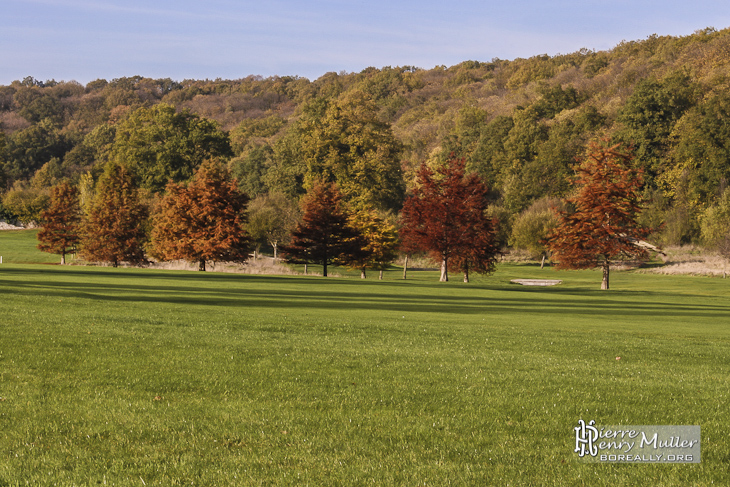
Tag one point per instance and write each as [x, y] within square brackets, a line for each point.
[362, 273]
[63, 258]
[201, 266]
[542, 264]
[405, 267]
[324, 269]
[115, 263]
[381, 275]
[444, 270]
[604, 283]
[466, 273]
[274, 244]
[305, 269]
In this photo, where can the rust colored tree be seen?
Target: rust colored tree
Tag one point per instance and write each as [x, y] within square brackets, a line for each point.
[114, 228]
[445, 216]
[480, 252]
[61, 222]
[203, 221]
[602, 224]
[325, 235]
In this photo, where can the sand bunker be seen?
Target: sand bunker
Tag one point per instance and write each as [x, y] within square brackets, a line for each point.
[536, 282]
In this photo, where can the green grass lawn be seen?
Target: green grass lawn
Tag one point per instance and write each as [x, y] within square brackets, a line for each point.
[19, 247]
[140, 377]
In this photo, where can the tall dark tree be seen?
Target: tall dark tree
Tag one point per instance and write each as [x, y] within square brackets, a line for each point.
[114, 228]
[446, 217]
[603, 224]
[324, 236]
[202, 221]
[61, 222]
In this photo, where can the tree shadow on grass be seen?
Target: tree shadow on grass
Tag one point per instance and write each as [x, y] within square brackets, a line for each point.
[286, 292]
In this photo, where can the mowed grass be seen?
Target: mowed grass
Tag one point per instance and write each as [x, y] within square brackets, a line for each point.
[20, 247]
[140, 377]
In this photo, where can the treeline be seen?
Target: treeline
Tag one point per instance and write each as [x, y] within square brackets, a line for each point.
[518, 124]
[210, 219]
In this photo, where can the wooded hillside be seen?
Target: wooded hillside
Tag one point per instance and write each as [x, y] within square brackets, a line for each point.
[519, 124]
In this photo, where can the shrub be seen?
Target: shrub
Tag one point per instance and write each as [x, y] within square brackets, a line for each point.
[532, 226]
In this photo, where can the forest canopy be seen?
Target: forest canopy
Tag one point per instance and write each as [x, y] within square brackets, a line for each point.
[519, 124]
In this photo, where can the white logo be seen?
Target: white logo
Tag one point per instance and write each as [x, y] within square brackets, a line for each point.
[585, 437]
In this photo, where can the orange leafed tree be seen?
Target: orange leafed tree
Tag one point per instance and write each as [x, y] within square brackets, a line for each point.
[113, 230]
[203, 221]
[602, 224]
[61, 222]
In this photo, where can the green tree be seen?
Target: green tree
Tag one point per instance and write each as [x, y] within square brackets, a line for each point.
[534, 224]
[522, 147]
[159, 144]
[489, 158]
[285, 169]
[3, 157]
[43, 107]
[555, 99]
[48, 175]
[30, 148]
[255, 131]
[701, 152]
[650, 113]
[25, 203]
[715, 223]
[250, 168]
[271, 219]
[344, 142]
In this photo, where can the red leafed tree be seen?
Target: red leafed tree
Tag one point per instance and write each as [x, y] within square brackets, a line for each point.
[113, 230]
[325, 235]
[61, 222]
[202, 221]
[445, 216]
[602, 224]
[480, 252]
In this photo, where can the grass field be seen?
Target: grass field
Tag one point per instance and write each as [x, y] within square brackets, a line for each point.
[140, 377]
[19, 247]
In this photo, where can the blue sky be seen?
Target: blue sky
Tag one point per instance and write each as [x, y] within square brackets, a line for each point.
[88, 39]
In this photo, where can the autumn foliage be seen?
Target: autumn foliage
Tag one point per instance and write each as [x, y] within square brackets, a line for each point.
[203, 221]
[379, 241]
[61, 222]
[113, 230]
[325, 235]
[602, 225]
[445, 216]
